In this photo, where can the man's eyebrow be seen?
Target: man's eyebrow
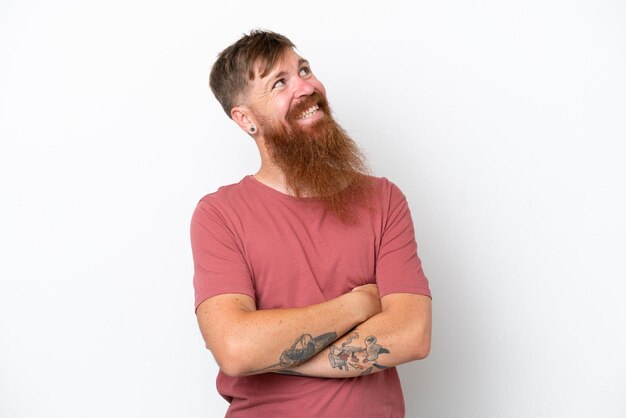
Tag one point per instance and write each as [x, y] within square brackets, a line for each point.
[281, 74]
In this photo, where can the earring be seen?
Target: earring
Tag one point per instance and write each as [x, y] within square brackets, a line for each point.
[252, 129]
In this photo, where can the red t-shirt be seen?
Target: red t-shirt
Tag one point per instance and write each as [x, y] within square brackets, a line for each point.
[287, 252]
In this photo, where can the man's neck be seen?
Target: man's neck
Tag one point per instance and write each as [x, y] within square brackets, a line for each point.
[273, 177]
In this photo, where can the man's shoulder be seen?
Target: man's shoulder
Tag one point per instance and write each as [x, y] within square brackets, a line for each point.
[384, 186]
[225, 193]
[223, 201]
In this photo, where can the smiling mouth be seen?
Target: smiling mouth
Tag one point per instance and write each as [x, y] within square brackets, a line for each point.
[309, 112]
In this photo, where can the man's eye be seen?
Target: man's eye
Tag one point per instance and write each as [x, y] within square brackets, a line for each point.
[305, 71]
[279, 83]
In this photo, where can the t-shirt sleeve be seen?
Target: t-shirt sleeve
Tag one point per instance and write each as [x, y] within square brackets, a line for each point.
[398, 267]
[219, 264]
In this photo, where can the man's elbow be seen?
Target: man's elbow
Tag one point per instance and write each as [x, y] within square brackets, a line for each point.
[421, 348]
[230, 360]
[422, 351]
[232, 369]
[423, 330]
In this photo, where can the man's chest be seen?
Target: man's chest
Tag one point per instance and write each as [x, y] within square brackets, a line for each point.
[294, 262]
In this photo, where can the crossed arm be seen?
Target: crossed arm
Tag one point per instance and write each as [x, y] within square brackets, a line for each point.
[355, 334]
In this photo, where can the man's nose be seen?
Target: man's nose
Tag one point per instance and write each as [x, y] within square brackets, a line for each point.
[304, 87]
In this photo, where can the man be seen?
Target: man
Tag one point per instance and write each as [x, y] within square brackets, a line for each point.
[309, 289]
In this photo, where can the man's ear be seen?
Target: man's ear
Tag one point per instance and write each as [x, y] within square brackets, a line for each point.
[243, 117]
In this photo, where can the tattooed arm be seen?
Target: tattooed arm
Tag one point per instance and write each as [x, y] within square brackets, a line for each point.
[247, 341]
[399, 334]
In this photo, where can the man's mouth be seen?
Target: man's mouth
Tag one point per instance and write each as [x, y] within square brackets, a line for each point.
[309, 112]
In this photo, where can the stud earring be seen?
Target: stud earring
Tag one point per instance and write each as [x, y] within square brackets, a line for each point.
[252, 129]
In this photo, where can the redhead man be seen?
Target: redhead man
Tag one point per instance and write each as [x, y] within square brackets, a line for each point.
[309, 290]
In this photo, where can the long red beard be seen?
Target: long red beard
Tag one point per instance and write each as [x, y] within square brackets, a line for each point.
[320, 160]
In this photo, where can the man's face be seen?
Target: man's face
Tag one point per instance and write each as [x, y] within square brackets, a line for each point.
[289, 95]
[316, 156]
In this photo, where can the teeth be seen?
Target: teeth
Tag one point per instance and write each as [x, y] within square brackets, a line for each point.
[309, 112]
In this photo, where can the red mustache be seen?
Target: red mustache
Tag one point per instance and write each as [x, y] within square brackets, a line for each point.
[314, 99]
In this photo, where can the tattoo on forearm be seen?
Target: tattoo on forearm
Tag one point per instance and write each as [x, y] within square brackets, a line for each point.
[357, 357]
[305, 347]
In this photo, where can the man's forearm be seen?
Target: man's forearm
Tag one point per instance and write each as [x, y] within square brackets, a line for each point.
[246, 341]
[392, 337]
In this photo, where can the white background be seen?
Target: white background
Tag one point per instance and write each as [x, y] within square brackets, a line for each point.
[502, 121]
